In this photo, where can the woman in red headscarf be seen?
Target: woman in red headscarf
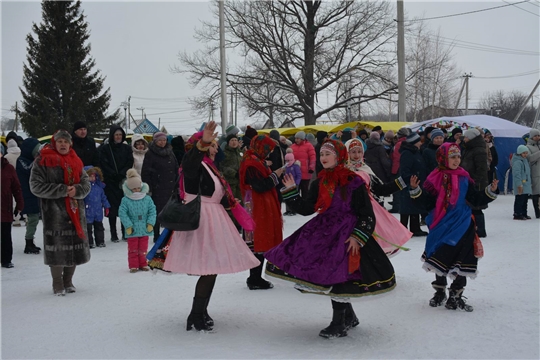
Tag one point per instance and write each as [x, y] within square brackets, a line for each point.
[334, 253]
[58, 179]
[258, 186]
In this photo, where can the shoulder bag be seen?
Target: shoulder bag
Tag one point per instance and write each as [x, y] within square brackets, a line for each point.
[178, 215]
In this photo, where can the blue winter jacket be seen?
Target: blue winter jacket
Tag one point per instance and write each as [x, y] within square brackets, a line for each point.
[521, 174]
[95, 201]
[137, 214]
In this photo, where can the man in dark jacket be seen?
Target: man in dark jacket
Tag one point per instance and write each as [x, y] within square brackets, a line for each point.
[377, 159]
[115, 159]
[475, 161]
[84, 146]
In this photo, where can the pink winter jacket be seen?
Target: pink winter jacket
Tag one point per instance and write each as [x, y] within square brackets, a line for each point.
[305, 152]
[396, 155]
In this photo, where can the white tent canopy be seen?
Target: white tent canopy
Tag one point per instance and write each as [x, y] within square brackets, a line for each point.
[497, 126]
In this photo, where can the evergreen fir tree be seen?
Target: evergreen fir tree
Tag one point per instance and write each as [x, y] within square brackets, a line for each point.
[60, 86]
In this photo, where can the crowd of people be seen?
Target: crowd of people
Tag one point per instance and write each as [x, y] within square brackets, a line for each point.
[343, 252]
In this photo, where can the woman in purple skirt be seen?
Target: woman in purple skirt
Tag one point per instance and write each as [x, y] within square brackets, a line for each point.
[334, 253]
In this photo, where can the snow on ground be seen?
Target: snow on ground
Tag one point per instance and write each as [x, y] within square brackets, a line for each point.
[118, 315]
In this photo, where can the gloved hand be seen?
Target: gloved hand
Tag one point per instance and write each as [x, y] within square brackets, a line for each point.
[107, 212]
[149, 228]
[129, 231]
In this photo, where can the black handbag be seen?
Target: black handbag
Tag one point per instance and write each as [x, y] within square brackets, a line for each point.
[178, 215]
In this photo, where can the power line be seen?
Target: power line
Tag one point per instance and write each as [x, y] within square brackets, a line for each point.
[530, 12]
[509, 76]
[160, 99]
[467, 13]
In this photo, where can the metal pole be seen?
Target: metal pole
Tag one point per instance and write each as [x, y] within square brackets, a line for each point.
[223, 67]
[401, 62]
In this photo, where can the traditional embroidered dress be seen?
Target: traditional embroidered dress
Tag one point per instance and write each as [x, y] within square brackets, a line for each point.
[452, 246]
[389, 232]
[315, 257]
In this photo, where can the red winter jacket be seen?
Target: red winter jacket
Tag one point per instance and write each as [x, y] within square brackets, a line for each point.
[305, 152]
[396, 155]
[11, 188]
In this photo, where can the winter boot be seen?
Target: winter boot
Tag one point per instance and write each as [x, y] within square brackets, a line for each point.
[455, 301]
[207, 319]
[68, 279]
[536, 205]
[480, 225]
[337, 327]
[350, 317]
[439, 296]
[58, 282]
[255, 280]
[30, 248]
[196, 317]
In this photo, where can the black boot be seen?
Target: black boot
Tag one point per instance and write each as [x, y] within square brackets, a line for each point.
[455, 301]
[30, 248]
[480, 225]
[255, 280]
[536, 205]
[439, 296]
[207, 319]
[337, 327]
[350, 317]
[196, 317]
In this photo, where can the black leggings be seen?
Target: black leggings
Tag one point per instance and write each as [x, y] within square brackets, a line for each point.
[204, 286]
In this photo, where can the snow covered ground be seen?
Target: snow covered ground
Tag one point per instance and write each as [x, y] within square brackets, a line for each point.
[118, 315]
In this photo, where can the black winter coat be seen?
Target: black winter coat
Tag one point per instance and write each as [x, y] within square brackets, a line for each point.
[475, 160]
[410, 163]
[430, 157]
[86, 150]
[115, 160]
[24, 167]
[377, 159]
[160, 171]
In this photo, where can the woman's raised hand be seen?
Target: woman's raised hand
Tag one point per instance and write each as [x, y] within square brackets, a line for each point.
[209, 132]
[414, 182]
[288, 180]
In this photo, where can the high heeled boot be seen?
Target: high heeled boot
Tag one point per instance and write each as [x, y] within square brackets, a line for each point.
[196, 317]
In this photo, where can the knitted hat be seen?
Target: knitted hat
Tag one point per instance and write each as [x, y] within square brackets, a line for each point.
[62, 134]
[457, 130]
[300, 135]
[79, 125]
[362, 132]
[250, 132]
[374, 136]
[471, 133]
[435, 133]
[377, 128]
[289, 157]
[521, 149]
[133, 179]
[389, 135]
[159, 135]
[403, 132]
[413, 138]
[274, 134]
[229, 137]
[534, 132]
[231, 129]
[289, 150]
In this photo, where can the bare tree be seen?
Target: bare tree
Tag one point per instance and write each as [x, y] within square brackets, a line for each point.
[507, 105]
[293, 50]
[434, 84]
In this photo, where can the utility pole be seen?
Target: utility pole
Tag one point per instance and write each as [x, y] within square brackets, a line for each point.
[467, 76]
[459, 98]
[231, 116]
[223, 67]
[401, 62]
[236, 108]
[129, 108]
[525, 102]
[142, 113]
[16, 122]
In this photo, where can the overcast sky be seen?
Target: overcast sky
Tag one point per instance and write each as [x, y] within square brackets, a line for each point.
[134, 45]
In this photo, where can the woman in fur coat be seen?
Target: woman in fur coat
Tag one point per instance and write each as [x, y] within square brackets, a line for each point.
[58, 179]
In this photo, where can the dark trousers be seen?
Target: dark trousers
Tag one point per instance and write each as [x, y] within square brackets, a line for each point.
[536, 205]
[112, 224]
[459, 283]
[413, 220]
[6, 244]
[304, 187]
[520, 205]
[99, 232]
[157, 226]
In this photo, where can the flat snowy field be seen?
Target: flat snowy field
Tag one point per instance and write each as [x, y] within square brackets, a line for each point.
[118, 315]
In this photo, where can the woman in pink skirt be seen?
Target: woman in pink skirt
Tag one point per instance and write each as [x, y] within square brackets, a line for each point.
[216, 246]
